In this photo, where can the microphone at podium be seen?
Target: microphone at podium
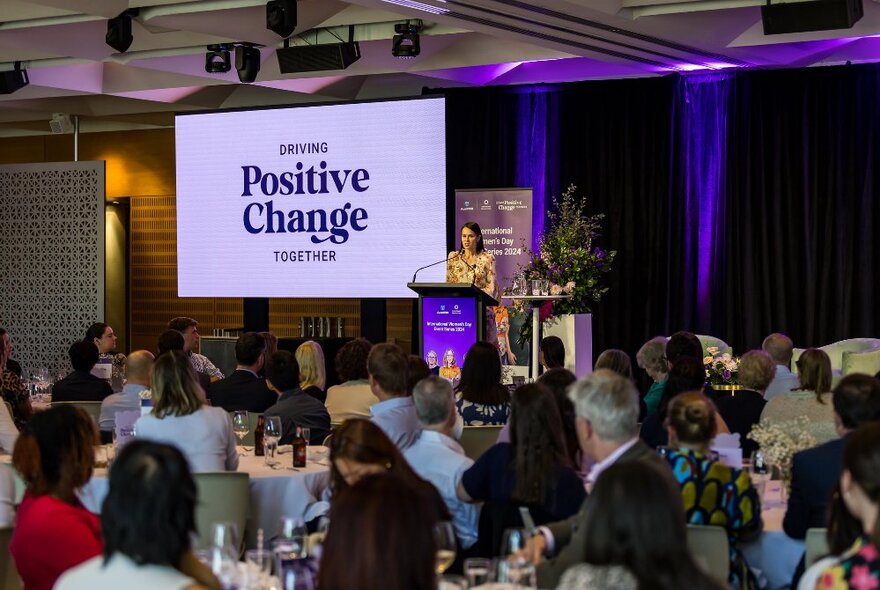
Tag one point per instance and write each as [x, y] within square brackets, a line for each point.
[445, 259]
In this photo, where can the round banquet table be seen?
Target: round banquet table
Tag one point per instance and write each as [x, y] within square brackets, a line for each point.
[274, 492]
[774, 555]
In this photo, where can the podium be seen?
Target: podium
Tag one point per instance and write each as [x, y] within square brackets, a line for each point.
[452, 317]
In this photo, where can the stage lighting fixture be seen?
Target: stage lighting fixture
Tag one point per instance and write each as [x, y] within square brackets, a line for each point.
[247, 62]
[217, 60]
[405, 43]
[13, 79]
[119, 35]
[281, 17]
[60, 123]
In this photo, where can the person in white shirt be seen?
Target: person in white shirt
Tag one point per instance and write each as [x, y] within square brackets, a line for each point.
[353, 398]
[138, 369]
[437, 457]
[779, 347]
[395, 412]
[180, 417]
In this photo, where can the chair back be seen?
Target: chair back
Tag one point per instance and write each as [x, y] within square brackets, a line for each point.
[223, 497]
[9, 579]
[476, 440]
[93, 409]
[816, 546]
[711, 550]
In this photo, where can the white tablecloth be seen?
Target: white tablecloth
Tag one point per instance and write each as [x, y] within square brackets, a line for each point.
[774, 555]
[274, 492]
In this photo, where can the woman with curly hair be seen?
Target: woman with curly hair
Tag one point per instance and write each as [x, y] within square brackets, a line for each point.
[352, 398]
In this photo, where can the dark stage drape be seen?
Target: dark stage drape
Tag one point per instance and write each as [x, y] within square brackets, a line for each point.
[740, 203]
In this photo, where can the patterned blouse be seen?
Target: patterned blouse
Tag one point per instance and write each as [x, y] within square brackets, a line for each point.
[717, 495]
[201, 364]
[859, 569]
[483, 276]
[14, 392]
[481, 415]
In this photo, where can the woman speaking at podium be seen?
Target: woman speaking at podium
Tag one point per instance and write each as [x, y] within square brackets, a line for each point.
[472, 264]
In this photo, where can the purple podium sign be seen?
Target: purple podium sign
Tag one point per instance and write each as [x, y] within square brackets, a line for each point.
[449, 328]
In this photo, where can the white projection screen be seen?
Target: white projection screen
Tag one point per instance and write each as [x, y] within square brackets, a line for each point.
[342, 200]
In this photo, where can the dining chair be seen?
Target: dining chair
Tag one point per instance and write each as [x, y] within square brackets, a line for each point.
[93, 409]
[476, 440]
[816, 545]
[8, 576]
[222, 497]
[711, 550]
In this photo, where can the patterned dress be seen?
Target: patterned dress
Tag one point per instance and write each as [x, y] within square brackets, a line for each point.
[14, 392]
[482, 275]
[717, 495]
[480, 414]
[859, 569]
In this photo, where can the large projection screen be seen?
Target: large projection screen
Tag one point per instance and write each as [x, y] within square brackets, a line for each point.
[342, 200]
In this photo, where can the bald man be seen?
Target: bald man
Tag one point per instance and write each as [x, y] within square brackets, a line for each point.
[780, 348]
[138, 370]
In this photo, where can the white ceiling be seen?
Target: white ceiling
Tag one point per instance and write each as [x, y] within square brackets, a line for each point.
[464, 43]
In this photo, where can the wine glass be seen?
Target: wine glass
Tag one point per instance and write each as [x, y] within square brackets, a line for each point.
[224, 553]
[241, 426]
[515, 567]
[445, 546]
[271, 436]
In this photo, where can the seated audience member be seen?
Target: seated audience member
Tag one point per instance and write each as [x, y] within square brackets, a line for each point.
[558, 381]
[181, 418]
[713, 493]
[81, 385]
[437, 457]
[651, 357]
[147, 520]
[244, 389]
[174, 340]
[812, 399]
[688, 374]
[312, 372]
[13, 392]
[393, 526]
[607, 429]
[816, 471]
[353, 398]
[138, 368]
[855, 517]
[552, 353]
[742, 409]
[636, 522]
[532, 470]
[780, 348]
[200, 363]
[416, 370]
[53, 531]
[295, 407]
[395, 412]
[480, 398]
[7, 496]
[11, 365]
[359, 448]
[104, 338]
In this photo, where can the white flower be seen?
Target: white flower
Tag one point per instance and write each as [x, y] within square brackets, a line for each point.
[713, 350]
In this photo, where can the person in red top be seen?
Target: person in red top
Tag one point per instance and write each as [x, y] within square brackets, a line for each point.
[54, 532]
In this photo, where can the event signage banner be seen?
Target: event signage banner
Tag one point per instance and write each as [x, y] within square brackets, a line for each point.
[449, 328]
[505, 218]
[339, 200]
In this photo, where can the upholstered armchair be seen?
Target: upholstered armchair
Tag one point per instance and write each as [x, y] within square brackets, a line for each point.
[855, 355]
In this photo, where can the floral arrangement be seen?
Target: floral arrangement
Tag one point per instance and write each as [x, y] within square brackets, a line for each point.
[568, 260]
[721, 369]
[779, 441]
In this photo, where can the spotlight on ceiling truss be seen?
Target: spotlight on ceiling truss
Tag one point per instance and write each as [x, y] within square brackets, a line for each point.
[13, 79]
[119, 35]
[405, 43]
[281, 17]
[217, 59]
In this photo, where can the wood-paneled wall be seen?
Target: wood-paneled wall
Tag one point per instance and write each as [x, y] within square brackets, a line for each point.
[141, 167]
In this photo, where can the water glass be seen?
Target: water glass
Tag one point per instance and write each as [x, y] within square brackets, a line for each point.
[259, 567]
[307, 434]
[478, 571]
[545, 287]
[536, 286]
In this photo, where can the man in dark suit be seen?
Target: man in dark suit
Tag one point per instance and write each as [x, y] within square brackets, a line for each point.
[81, 385]
[244, 389]
[816, 471]
[607, 412]
[295, 407]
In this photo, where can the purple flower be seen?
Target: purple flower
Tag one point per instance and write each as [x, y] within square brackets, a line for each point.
[600, 254]
[726, 374]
